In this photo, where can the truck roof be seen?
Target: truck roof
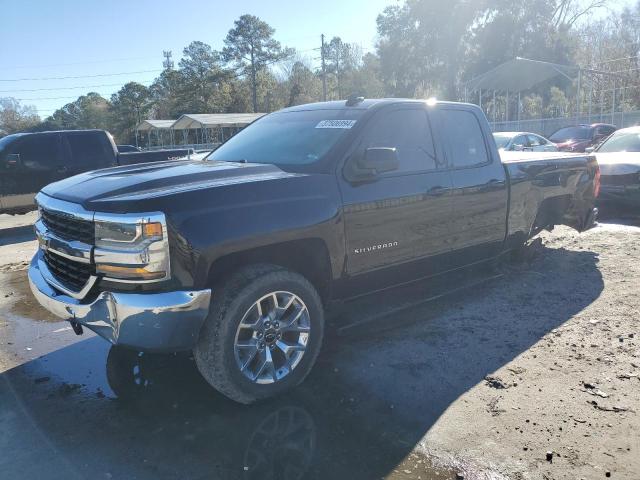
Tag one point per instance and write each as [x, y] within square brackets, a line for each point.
[365, 104]
[24, 134]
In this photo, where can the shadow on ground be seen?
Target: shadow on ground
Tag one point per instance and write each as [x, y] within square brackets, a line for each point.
[88, 411]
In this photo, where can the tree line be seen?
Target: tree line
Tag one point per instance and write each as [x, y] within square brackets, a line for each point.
[424, 48]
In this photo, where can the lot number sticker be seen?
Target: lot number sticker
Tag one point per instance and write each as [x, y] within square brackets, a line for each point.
[336, 124]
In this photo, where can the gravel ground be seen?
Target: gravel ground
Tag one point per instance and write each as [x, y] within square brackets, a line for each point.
[530, 373]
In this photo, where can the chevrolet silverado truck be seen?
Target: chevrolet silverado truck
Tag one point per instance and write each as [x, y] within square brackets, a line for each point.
[237, 256]
[29, 161]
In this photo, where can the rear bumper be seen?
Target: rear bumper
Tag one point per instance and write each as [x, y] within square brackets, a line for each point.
[623, 194]
[163, 322]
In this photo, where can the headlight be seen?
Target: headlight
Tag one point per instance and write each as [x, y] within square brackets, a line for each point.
[132, 248]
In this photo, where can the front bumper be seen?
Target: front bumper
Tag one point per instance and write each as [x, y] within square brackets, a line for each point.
[163, 322]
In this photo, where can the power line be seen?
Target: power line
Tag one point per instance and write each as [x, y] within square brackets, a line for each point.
[77, 76]
[69, 88]
[75, 63]
[55, 98]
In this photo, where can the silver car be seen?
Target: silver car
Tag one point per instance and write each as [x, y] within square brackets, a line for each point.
[523, 142]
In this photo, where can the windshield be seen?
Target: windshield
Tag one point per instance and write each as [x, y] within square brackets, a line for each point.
[622, 141]
[6, 141]
[288, 138]
[501, 139]
[571, 133]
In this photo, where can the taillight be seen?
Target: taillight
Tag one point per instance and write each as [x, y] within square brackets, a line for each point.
[596, 182]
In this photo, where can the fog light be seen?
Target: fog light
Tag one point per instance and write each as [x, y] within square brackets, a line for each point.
[129, 273]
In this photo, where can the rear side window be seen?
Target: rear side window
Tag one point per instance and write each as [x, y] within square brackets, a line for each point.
[37, 149]
[407, 131]
[603, 130]
[536, 141]
[520, 141]
[464, 137]
[90, 150]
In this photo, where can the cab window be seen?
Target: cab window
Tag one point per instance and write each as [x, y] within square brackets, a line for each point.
[464, 138]
[37, 150]
[409, 132]
[90, 149]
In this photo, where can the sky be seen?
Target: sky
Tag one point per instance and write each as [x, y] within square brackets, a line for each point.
[43, 40]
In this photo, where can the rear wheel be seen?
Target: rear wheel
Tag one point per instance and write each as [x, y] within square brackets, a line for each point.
[262, 335]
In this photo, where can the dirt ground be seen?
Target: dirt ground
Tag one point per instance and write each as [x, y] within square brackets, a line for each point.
[531, 372]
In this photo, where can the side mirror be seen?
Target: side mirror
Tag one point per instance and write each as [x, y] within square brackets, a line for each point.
[379, 160]
[589, 149]
[374, 161]
[517, 148]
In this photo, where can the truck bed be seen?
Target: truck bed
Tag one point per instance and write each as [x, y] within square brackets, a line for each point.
[549, 188]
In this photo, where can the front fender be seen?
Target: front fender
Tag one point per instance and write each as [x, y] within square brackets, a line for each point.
[248, 217]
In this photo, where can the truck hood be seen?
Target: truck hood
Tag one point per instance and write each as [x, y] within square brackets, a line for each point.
[159, 179]
[618, 163]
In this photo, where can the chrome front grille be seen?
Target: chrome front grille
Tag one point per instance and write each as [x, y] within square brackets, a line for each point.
[71, 274]
[69, 227]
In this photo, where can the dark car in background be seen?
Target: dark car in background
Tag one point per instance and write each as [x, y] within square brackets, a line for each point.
[619, 160]
[29, 161]
[580, 137]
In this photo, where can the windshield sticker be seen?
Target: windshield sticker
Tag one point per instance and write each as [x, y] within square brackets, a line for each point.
[336, 124]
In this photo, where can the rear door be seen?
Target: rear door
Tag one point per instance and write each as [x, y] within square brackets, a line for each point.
[402, 216]
[480, 191]
[89, 150]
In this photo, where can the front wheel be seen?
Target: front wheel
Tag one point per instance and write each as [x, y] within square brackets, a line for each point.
[262, 335]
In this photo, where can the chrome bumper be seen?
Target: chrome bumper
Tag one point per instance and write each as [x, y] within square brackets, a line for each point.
[167, 322]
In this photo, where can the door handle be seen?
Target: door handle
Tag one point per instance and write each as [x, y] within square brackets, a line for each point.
[61, 169]
[492, 184]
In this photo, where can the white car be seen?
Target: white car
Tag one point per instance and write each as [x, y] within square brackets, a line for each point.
[523, 142]
[619, 160]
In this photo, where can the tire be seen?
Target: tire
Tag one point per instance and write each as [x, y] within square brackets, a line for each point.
[240, 299]
[124, 373]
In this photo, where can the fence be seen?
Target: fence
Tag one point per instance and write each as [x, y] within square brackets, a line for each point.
[547, 126]
[196, 146]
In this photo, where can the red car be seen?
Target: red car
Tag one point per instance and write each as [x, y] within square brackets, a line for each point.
[580, 137]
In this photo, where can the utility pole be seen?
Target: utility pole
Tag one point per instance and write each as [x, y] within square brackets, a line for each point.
[324, 70]
[168, 62]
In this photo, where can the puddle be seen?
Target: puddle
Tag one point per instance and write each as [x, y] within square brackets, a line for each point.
[16, 298]
[111, 411]
[76, 405]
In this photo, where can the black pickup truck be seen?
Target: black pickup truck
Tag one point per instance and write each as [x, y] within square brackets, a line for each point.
[29, 161]
[237, 256]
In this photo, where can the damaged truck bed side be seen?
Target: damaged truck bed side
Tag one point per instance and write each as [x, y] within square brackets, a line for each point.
[237, 256]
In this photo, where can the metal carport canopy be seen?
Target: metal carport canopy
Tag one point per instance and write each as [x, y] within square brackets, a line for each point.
[155, 124]
[520, 74]
[214, 120]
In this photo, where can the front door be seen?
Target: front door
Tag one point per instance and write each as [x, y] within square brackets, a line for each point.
[36, 164]
[402, 216]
